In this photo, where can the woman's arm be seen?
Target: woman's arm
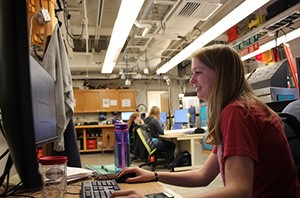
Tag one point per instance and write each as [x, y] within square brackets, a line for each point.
[201, 177]
[157, 127]
[239, 172]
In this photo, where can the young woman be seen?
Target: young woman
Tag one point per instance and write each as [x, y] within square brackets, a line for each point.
[136, 146]
[153, 122]
[134, 121]
[251, 151]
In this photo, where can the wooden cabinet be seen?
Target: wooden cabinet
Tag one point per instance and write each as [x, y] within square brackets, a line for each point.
[87, 100]
[95, 138]
[109, 99]
[108, 138]
[127, 100]
[104, 100]
[78, 95]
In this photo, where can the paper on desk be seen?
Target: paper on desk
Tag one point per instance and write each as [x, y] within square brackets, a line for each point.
[178, 131]
[75, 173]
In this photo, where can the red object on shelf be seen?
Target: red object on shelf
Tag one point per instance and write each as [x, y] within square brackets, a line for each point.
[91, 144]
[292, 64]
[232, 34]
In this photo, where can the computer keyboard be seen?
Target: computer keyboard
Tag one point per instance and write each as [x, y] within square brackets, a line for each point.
[103, 188]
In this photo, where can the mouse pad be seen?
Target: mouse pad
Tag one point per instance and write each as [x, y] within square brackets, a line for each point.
[103, 169]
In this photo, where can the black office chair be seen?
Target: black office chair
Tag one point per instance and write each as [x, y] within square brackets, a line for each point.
[137, 148]
[292, 131]
[153, 155]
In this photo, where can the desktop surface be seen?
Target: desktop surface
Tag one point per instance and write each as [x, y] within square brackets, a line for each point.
[74, 188]
[182, 131]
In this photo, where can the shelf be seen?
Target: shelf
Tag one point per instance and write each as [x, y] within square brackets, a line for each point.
[263, 28]
[90, 144]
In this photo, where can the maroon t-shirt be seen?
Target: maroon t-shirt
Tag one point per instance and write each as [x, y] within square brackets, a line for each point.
[255, 136]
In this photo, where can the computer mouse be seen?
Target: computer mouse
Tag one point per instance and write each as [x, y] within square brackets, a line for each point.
[122, 179]
[199, 130]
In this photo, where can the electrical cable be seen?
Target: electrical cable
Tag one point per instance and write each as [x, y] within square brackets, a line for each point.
[7, 168]
[3, 154]
[5, 174]
[163, 25]
[66, 17]
[30, 29]
[12, 191]
[36, 52]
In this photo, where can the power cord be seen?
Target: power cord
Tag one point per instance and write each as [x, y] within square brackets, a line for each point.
[6, 172]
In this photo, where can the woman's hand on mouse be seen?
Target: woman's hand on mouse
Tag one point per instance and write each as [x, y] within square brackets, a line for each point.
[126, 193]
[141, 175]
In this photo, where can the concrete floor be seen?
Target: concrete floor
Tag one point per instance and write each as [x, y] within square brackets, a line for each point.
[108, 158]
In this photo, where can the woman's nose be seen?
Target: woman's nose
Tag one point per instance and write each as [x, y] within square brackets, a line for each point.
[191, 81]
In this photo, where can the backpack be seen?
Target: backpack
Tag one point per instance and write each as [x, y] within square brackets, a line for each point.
[183, 158]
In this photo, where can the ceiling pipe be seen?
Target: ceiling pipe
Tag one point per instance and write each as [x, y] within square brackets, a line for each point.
[164, 2]
[99, 20]
[86, 22]
[146, 27]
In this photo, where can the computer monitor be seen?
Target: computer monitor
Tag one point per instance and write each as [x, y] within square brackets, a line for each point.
[181, 116]
[203, 115]
[163, 117]
[26, 95]
[125, 116]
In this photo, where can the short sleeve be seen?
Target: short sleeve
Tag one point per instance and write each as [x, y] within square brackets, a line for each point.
[240, 132]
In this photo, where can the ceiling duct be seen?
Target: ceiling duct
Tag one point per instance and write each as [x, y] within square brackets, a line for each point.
[94, 44]
[188, 14]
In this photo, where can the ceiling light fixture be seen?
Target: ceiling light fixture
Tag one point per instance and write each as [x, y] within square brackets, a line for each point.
[271, 44]
[235, 16]
[127, 15]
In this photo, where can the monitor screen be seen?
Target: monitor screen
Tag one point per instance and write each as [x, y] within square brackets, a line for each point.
[26, 95]
[203, 115]
[126, 115]
[163, 117]
[43, 100]
[181, 116]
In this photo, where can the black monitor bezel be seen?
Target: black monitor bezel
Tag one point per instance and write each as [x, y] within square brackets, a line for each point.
[16, 94]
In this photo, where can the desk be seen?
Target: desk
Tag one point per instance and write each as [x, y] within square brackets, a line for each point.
[143, 188]
[149, 188]
[189, 142]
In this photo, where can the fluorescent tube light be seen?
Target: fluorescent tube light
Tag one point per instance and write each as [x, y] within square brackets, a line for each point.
[128, 12]
[239, 13]
[282, 39]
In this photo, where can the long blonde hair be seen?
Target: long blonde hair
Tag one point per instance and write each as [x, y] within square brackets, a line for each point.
[154, 112]
[229, 85]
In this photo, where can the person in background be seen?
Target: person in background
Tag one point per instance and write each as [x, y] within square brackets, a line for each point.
[134, 121]
[293, 108]
[136, 146]
[250, 152]
[155, 129]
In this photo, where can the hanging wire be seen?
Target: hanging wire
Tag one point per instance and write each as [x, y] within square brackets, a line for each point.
[66, 18]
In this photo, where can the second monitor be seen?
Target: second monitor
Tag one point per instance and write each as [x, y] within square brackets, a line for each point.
[181, 116]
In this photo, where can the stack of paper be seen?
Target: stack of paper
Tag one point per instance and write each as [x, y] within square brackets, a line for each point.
[74, 173]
